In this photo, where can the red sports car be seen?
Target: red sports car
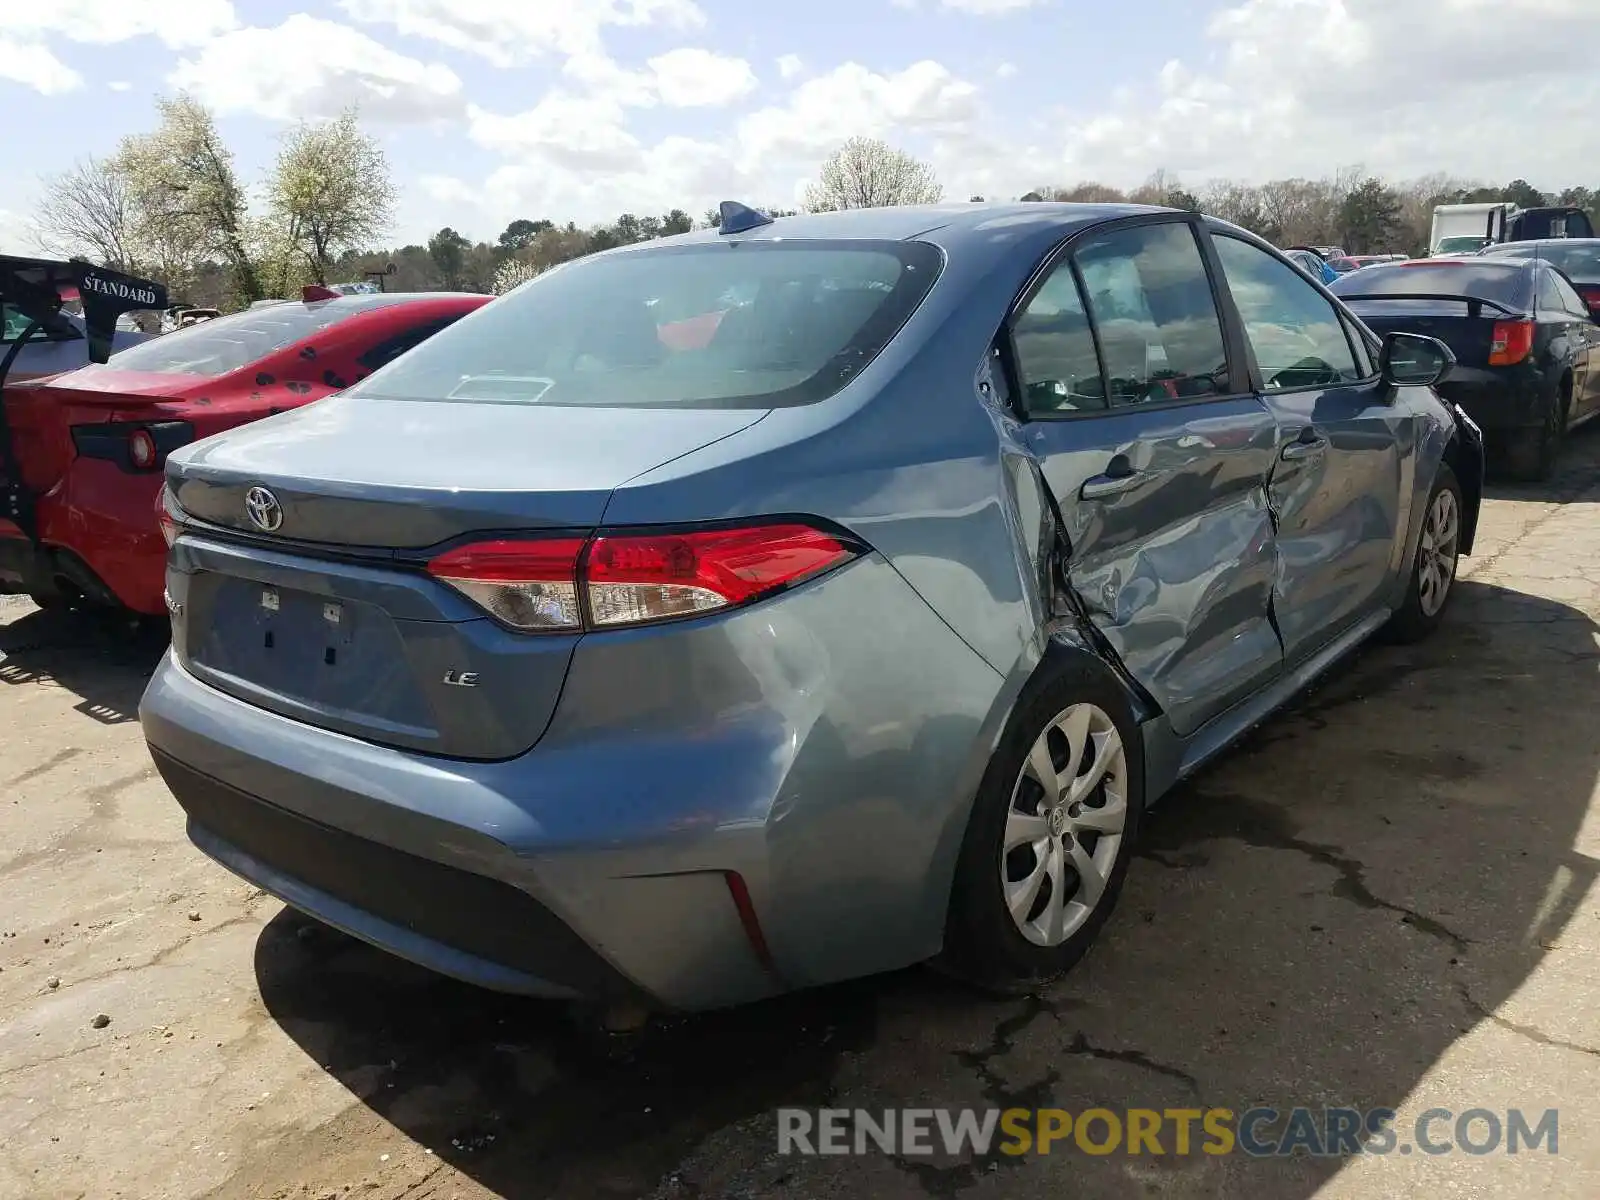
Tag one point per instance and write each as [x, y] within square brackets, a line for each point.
[90, 444]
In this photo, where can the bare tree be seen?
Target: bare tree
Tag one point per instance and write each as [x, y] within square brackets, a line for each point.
[89, 211]
[868, 173]
[1088, 192]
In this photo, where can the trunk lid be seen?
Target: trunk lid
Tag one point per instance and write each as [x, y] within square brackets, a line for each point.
[332, 620]
[1468, 337]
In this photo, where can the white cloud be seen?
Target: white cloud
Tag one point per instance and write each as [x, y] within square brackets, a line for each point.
[565, 130]
[1483, 88]
[308, 67]
[683, 78]
[789, 65]
[507, 32]
[34, 66]
[978, 8]
[176, 23]
[574, 155]
[119, 85]
[690, 78]
[850, 100]
[1005, 70]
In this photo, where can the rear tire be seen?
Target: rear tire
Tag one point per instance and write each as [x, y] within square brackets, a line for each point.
[1532, 455]
[1433, 567]
[1043, 860]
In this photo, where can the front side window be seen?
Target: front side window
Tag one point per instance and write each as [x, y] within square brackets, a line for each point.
[705, 325]
[1160, 335]
[1296, 334]
[1056, 361]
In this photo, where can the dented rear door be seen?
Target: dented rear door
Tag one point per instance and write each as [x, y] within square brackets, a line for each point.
[1160, 470]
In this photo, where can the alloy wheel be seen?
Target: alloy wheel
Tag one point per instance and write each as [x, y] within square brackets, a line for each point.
[1065, 825]
[1436, 557]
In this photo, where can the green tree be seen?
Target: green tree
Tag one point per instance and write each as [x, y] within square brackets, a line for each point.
[184, 188]
[868, 173]
[1524, 195]
[1370, 218]
[520, 234]
[448, 250]
[330, 191]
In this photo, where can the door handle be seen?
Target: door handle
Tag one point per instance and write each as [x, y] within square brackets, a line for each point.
[1306, 447]
[1102, 487]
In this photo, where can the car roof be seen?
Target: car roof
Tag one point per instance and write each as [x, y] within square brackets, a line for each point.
[947, 225]
[1511, 247]
[364, 302]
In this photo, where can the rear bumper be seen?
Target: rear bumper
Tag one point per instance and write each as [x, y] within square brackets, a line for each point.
[822, 748]
[97, 530]
[1500, 402]
[26, 569]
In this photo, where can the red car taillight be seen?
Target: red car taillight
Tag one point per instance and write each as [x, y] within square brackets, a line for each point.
[623, 579]
[1591, 297]
[1511, 342]
[142, 450]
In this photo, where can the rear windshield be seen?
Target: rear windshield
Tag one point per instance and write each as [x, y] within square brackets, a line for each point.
[705, 325]
[1503, 283]
[1460, 245]
[225, 344]
[1579, 259]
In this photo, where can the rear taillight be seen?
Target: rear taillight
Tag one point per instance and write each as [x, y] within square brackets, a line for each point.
[1511, 342]
[626, 579]
[168, 515]
[1591, 297]
[142, 450]
[137, 446]
[530, 585]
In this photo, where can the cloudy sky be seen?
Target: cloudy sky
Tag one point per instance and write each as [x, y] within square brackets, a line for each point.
[580, 109]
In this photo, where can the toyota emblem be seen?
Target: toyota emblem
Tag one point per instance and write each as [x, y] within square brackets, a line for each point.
[263, 509]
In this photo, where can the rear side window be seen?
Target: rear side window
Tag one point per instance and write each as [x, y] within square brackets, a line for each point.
[1056, 361]
[1296, 334]
[1571, 302]
[13, 323]
[1549, 298]
[706, 325]
[392, 348]
[1150, 296]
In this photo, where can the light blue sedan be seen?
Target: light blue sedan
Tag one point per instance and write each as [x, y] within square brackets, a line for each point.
[770, 605]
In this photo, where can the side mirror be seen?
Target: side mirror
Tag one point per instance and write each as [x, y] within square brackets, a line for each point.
[1412, 360]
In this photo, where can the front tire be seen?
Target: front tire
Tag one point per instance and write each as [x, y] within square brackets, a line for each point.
[1050, 836]
[1433, 567]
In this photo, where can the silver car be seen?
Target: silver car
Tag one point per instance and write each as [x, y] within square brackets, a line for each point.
[788, 602]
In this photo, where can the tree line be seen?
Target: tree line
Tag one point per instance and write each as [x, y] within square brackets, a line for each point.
[170, 204]
[1358, 212]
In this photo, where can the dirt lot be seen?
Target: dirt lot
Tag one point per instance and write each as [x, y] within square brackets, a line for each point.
[1384, 899]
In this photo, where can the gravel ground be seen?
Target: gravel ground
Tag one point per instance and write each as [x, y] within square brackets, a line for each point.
[1384, 898]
